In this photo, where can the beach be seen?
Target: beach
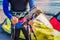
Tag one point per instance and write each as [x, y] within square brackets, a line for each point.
[2, 16]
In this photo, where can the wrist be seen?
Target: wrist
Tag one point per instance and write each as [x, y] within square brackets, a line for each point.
[34, 7]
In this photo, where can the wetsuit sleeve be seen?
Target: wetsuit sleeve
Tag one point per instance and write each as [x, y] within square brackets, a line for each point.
[31, 4]
[6, 9]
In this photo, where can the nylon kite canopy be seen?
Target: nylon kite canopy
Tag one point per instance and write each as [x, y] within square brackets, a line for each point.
[55, 21]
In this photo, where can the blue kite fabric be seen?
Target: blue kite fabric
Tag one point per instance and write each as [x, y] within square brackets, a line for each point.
[58, 16]
[6, 9]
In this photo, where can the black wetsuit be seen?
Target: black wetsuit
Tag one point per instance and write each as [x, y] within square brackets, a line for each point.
[18, 5]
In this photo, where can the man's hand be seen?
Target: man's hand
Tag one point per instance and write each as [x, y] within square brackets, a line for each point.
[36, 11]
[31, 22]
[14, 20]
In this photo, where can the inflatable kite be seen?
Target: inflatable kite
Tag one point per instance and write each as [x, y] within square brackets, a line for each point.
[42, 29]
[55, 21]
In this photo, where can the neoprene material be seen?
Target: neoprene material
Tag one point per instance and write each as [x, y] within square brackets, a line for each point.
[16, 5]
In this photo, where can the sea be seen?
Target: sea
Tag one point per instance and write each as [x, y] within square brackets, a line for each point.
[53, 6]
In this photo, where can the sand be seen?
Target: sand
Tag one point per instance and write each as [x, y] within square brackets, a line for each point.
[2, 16]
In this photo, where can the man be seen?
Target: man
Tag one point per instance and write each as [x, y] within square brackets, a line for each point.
[17, 7]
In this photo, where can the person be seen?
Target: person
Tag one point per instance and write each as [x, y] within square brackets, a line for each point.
[18, 9]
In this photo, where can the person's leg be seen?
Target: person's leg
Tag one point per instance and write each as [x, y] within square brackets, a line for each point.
[26, 33]
[12, 31]
[15, 33]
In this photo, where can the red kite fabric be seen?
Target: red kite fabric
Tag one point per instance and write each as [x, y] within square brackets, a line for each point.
[55, 23]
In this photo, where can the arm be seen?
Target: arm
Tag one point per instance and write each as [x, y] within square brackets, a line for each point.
[31, 4]
[6, 9]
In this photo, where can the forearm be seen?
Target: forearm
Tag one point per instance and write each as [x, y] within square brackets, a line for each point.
[31, 4]
[5, 8]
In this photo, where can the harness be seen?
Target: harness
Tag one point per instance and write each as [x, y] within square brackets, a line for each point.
[19, 14]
